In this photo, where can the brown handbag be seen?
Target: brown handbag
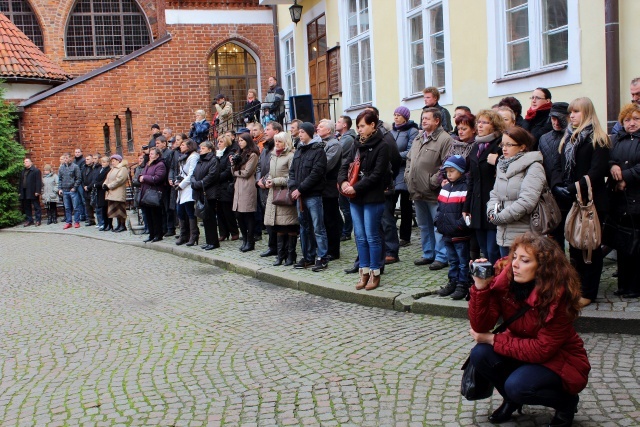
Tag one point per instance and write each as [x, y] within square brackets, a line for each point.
[582, 229]
[352, 175]
[282, 197]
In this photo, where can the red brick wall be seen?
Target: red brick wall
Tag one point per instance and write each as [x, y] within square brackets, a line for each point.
[163, 86]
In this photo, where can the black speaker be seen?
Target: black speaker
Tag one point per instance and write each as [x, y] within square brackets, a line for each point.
[301, 108]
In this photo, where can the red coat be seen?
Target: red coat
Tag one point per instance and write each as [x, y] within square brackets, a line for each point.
[555, 345]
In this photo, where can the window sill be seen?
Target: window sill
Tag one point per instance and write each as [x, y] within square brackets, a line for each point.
[358, 107]
[420, 95]
[528, 74]
[90, 58]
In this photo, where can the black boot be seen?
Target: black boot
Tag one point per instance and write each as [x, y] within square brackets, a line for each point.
[462, 289]
[184, 233]
[564, 417]
[251, 243]
[503, 413]
[195, 232]
[281, 243]
[447, 290]
[292, 241]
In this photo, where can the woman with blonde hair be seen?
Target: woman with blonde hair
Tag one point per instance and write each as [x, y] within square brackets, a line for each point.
[584, 150]
[251, 110]
[199, 130]
[283, 218]
[507, 115]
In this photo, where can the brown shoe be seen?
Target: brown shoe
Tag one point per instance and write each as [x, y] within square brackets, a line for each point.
[374, 282]
[364, 279]
[235, 237]
[390, 260]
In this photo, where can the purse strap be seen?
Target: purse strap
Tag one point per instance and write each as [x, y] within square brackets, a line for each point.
[503, 326]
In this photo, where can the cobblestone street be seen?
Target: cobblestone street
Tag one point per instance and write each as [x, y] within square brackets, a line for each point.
[101, 334]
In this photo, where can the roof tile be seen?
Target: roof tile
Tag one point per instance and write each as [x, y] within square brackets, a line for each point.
[19, 57]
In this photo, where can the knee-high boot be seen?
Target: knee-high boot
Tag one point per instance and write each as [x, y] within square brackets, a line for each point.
[281, 245]
[292, 241]
[195, 232]
[184, 233]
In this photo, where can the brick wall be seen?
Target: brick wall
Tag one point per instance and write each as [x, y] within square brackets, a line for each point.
[165, 86]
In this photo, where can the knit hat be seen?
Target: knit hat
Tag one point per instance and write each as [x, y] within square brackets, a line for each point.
[403, 111]
[308, 128]
[559, 110]
[458, 162]
[118, 157]
[242, 130]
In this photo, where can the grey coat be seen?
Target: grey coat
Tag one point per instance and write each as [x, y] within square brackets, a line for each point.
[517, 192]
[279, 173]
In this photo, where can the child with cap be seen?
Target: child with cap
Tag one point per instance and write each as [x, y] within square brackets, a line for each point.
[455, 231]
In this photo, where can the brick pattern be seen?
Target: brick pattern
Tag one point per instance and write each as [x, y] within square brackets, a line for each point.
[163, 86]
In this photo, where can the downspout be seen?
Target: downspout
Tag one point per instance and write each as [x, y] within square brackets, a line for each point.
[612, 60]
[276, 41]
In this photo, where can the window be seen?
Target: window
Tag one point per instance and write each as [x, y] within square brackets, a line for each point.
[289, 67]
[426, 36]
[22, 16]
[360, 75]
[232, 72]
[106, 28]
[535, 35]
[317, 37]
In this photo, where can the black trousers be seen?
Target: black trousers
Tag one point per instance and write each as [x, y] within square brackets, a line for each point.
[406, 213]
[210, 223]
[154, 220]
[27, 205]
[227, 223]
[589, 273]
[333, 223]
[246, 223]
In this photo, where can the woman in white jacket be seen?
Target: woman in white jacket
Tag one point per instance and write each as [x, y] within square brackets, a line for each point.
[520, 178]
[189, 157]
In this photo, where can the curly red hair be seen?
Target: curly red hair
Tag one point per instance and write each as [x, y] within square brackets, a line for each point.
[556, 279]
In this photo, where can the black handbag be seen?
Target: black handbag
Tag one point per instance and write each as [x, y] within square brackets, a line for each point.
[473, 385]
[200, 208]
[151, 198]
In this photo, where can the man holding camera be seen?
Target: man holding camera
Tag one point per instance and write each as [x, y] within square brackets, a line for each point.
[224, 114]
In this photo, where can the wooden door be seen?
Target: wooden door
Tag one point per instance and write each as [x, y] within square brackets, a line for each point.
[318, 71]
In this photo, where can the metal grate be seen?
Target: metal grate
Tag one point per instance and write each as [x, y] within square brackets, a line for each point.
[106, 28]
[22, 16]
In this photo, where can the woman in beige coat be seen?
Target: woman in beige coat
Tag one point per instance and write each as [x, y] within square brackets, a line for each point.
[115, 185]
[284, 219]
[245, 192]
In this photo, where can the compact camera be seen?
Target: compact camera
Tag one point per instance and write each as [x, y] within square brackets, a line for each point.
[482, 270]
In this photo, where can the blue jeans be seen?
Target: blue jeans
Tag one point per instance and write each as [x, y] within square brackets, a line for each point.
[390, 228]
[520, 382]
[504, 251]
[458, 256]
[71, 201]
[186, 211]
[311, 220]
[81, 207]
[99, 216]
[366, 226]
[431, 240]
[345, 208]
[488, 244]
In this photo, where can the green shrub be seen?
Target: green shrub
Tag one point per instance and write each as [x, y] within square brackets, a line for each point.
[11, 156]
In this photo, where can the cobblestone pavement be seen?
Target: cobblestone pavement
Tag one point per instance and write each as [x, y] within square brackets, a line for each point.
[403, 277]
[100, 334]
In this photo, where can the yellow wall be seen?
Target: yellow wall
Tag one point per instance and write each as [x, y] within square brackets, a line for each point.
[629, 46]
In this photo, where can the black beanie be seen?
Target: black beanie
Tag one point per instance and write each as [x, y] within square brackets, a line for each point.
[308, 128]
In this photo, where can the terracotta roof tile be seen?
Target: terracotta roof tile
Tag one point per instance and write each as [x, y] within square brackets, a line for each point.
[19, 57]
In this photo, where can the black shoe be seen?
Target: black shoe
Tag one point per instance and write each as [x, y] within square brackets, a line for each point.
[564, 418]
[303, 263]
[248, 247]
[437, 265]
[170, 233]
[619, 292]
[321, 264]
[503, 413]
[149, 239]
[257, 237]
[404, 243]
[345, 238]
[269, 252]
[278, 262]
[615, 273]
[447, 290]
[351, 270]
[461, 292]
[157, 239]
[210, 247]
[423, 261]
[631, 295]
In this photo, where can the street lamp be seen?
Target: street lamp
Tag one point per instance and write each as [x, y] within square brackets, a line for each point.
[296, 12]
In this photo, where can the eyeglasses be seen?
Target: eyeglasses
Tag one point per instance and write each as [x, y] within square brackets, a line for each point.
[537, 98]
[509, 145]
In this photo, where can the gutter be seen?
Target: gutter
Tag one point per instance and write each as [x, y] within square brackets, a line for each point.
[612, 61]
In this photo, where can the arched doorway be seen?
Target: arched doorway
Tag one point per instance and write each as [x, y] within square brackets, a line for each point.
[232, 71]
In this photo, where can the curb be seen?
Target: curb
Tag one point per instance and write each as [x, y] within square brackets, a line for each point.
[589, 321]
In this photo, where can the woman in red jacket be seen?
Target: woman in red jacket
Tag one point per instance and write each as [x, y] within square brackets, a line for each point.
[540, 359]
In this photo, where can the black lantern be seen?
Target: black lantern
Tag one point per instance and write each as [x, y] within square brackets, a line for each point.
[296, 12]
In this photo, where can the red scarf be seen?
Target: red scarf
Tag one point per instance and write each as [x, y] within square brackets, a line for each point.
[278, 152]
[531, 113]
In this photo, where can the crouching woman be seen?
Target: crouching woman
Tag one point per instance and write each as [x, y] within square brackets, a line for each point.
[539, 359]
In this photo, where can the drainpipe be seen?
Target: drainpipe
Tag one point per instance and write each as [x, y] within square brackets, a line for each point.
[612, 48]
[276, 41]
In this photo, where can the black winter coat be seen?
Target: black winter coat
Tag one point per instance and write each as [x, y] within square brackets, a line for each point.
[308, 169]
[224, 189]
[205, 177]
[30, 183]
[97, 185]
[589, 161]
[548, 146]
[251, 111]
[374, 170]
[626, 154]
[449, 221]
[88, 177]
[482, 177]
[538, 126]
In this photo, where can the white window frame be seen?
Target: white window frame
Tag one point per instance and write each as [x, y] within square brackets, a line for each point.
[415, 100]
[346, 41]
[501, 82]
[288, 70]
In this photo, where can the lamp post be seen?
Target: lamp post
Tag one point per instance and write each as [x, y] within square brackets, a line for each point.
[296, 12]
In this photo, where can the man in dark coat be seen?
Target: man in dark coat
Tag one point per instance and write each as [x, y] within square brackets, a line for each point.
[331, 208]
[170, 159]
[275, 99]
[431, 98]
[346, 136]
[29, 193]
[79, 160]
[88, 176]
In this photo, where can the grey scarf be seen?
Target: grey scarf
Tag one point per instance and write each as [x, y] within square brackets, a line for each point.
[503, 163]
[571, 144]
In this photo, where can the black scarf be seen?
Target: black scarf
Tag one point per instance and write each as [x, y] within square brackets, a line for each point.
[521, 291]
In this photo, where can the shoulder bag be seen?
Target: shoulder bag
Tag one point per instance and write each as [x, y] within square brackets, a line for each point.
[282, 197]
[474, 386]
[151, 198]
[582, 229]
[352, 175]
[546, 215]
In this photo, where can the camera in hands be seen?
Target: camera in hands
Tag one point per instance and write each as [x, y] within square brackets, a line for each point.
[482, 270]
